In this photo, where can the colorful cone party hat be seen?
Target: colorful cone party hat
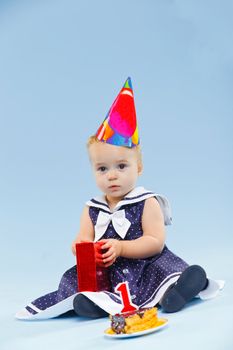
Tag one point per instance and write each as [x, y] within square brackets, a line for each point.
[119, 128]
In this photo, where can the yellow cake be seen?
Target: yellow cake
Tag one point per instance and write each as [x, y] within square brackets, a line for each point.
[137, 321]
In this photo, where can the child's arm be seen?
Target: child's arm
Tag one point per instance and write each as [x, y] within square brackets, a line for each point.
[86, 231]
[151, 243]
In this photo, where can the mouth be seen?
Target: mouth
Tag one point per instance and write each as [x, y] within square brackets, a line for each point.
[114, 187]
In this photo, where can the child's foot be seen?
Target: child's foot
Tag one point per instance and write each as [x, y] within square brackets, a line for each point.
[85, 307]
[190, 283]
[27, 313]
[23, 314]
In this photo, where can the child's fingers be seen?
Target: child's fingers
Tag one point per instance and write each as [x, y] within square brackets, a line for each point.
[109, 258]
[103, 241]
[106, 245]
[108, 253]
[107, 264]
[105, 261]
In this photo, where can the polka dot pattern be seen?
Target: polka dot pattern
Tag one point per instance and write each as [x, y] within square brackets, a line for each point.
[143, 275]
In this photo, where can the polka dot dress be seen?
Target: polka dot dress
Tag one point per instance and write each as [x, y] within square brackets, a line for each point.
[144, 276]
[148, 278]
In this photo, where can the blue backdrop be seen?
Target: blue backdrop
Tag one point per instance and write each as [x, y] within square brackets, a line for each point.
[61, 65]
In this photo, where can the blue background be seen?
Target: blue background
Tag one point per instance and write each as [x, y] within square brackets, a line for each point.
[61, 65]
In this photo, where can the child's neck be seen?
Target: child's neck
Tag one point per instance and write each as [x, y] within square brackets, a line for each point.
[112, 202]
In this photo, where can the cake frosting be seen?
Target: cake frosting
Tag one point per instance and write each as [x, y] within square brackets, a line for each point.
[136, 321]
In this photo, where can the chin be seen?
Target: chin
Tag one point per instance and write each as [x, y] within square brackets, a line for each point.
[116, 194]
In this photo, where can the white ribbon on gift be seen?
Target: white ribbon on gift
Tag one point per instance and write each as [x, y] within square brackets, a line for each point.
[120, 223]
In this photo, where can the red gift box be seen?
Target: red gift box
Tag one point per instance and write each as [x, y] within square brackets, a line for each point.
[92, 275]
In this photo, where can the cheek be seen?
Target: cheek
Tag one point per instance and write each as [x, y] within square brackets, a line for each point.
[99, 180]
[134, 175]
[130, 176]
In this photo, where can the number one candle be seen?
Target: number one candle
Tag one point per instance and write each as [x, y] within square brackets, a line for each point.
[123, 289]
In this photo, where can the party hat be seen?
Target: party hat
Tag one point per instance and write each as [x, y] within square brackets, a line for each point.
[120, 128]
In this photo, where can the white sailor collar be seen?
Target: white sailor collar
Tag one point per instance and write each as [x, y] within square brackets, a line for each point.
[138, 194]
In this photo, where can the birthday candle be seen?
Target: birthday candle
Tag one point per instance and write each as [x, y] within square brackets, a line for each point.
[123, 289]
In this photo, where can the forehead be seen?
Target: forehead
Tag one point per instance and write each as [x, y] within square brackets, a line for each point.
[102, 152]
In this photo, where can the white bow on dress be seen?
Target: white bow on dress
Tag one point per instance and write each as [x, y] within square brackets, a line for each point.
[120, 223]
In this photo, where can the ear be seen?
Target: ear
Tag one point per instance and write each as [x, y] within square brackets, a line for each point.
[140, 168]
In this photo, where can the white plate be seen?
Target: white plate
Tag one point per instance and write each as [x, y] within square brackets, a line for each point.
[136, 334]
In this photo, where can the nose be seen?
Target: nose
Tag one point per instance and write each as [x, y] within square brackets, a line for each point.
[112, 175]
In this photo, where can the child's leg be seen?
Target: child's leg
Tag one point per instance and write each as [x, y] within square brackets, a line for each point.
[87, 308]
[192, 280]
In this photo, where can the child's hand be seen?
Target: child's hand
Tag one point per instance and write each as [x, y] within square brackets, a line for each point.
[113, 247]
[73, 246]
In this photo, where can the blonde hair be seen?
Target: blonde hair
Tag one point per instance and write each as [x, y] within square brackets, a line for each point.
[93, 139]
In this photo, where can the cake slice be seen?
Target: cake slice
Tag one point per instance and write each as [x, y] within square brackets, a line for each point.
[136, 321]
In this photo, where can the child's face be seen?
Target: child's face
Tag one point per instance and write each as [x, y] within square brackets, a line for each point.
[116, 169]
